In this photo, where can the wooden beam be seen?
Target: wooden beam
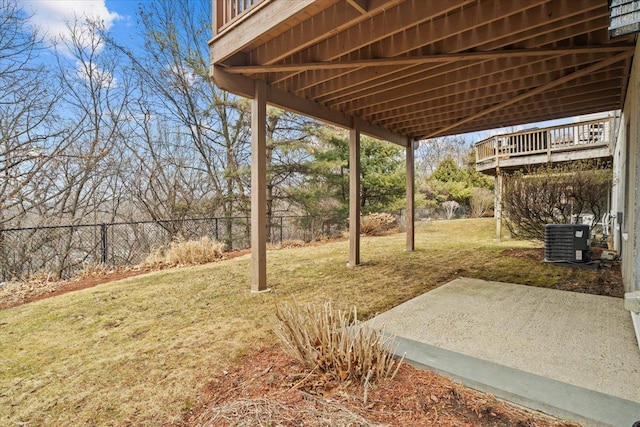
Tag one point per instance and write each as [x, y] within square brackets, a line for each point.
[238, 85]
[526, 113]
[315, 29]
[565, 98]
[410, 183]
[417, 60]
[438, 25]
[567, 101]
[379, 132]
[319, 87]
[354, 197]
[393, 21]
[461, 106]
[359, 5]
[504, 120]
[446, 80]
[461, 80]
[259, 188]
[434, 76]
[568, 20]
[272, 13]
[457, 38]
[244, 86]
[600, 65]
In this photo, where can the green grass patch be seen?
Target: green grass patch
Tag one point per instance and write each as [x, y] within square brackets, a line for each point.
[138, 351]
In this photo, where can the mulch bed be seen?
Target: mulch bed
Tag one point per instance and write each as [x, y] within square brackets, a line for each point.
[267, 387]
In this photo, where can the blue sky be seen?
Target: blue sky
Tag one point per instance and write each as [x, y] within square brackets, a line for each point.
[51, 16]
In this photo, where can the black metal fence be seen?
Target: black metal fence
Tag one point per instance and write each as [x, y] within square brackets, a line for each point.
[64, 250]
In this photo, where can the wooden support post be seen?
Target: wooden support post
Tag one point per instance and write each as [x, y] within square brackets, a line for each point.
[259, 188]
[497, 205]
[410, 214]
[354, 197]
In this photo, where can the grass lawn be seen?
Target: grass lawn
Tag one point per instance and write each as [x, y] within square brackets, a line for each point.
[140, 350]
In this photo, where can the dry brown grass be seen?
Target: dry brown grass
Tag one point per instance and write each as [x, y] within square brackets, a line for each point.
[95, 270]
[287, 244]
[332, 343]
[376, 224]
[187, 252]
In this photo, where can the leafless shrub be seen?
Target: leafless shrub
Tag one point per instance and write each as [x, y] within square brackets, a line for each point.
[375, 224]
[549, 195]
[334, 343]
[481, 201]
[187, 252]
[450, 207]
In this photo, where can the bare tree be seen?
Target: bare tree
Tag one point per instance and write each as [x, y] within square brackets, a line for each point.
[289, 137]
[209, 128]
[30, 136]
[167, 179]
[95, 97]
[432, 152]
[84, 180]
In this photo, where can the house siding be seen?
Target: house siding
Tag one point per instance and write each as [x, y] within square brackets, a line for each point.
[626, 192]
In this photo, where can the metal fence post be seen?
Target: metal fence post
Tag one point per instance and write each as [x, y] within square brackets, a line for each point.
[217, 233]
[103, 243]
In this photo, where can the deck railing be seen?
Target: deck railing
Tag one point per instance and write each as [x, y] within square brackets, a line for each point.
[576, 136]
[228, 11]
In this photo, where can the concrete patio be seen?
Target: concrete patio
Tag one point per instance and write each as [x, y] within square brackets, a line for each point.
[567, 354]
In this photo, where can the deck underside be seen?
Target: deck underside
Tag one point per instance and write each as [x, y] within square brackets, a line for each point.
[424, 69]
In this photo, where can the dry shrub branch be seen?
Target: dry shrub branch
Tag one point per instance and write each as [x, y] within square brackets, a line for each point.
[270, 412]
[334, 343]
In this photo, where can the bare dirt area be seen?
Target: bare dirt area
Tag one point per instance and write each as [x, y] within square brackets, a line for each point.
[608, 281]
[267, 387]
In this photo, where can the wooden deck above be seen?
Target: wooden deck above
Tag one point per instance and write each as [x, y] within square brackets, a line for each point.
[416, 69]
[577, 141]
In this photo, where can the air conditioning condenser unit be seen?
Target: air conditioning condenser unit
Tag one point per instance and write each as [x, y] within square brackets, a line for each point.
[567, 243]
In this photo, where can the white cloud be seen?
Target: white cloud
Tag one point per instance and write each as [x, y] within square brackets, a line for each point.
[52, 16]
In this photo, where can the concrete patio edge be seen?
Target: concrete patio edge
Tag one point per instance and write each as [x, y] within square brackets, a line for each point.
[549, 396]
